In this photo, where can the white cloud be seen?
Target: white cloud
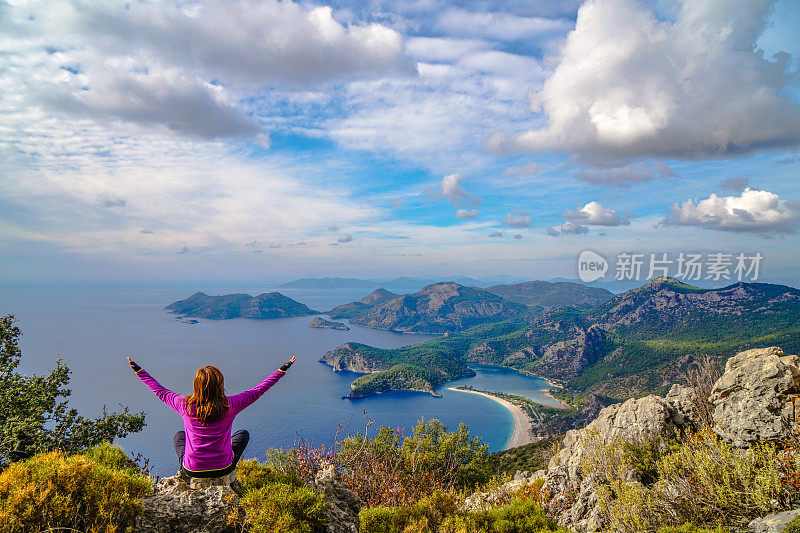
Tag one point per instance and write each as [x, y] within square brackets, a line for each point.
[568, 227]
[753, 211]
[628, 84]
[451, 188]
[528, 169]
[594, 214]
[439, 49]
[183, 69]
[499, 25]
[496, 234]
[623, 175]
[345, 238]
[518, 219]
[467, 213]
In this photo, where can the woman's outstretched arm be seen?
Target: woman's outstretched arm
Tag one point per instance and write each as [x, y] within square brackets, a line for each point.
[243, 400]
[170, 399]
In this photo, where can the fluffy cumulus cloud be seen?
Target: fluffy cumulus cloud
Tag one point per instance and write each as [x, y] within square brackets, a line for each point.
[185, 67]
[591, 214]
[345, 238]
[753, 211]
[629, 84]
[594, 214]
[518, 219]
[467, 213]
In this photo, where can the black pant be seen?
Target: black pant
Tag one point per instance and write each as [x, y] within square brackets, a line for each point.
[239, 442]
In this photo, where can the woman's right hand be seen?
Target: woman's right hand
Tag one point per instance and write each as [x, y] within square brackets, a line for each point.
[287, 364]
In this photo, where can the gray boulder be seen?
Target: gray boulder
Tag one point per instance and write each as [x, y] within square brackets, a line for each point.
[773, 523]
[343, 503]
[574, 500]
[183, 505]
[750, 399]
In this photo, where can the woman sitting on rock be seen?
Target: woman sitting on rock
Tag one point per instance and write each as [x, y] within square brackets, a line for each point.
[206, 448]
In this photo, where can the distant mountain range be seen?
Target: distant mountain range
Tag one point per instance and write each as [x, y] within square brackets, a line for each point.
[401, 284]
[451, 307]
[630, 344]
[267, 305]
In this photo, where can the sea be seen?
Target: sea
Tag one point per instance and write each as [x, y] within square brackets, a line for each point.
[94, 325]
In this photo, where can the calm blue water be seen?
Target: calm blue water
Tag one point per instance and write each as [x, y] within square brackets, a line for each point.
[94, 325]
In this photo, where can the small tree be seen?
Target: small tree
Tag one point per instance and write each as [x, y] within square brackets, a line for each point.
[34, 415]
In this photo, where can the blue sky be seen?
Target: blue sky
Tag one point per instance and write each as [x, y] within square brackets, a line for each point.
[273, 140]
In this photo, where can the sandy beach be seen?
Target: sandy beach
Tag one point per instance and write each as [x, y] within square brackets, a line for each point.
[522, 422]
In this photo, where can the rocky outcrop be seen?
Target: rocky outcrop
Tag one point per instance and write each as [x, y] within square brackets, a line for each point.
[567, 359]
[574, 500]
[751, 398]
[352, 356]
[773, 523]
[343, 503]
[206, 505]
[189, 505]
[318, 322]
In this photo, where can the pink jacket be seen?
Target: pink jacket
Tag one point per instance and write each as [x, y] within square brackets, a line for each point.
[208, 447]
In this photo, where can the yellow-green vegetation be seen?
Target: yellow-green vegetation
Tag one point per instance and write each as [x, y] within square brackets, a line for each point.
[277, 501]
[96, 491]
[793, 526]
[700, 480]
[440, 513]
[529, 457]
[691, 528]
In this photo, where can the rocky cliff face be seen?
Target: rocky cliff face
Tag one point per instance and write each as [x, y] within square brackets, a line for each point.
[751, 406]
[440, 308]
[267, 305]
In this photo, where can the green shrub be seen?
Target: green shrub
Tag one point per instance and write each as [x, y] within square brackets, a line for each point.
[439, 513]
[275, 499]
[793, 526]
[94, 492]
[283, 508]
[700, 481]
[688, 527]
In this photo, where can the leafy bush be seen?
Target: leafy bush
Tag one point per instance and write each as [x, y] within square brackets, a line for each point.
[439, 513]
[283, 508]
[277, 500]
[391, 470]
[701, 480]
[33, 416]
[93, 492]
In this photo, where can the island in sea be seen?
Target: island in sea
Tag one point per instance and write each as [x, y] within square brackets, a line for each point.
[266, 305]
[318, 322]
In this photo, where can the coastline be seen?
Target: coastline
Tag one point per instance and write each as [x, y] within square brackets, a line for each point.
[521, 434]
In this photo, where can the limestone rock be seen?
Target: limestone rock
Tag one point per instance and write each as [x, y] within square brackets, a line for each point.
[575, 503]
[683, 399]
[343, 503]
[750, 399]
[774, 523]
[182, 504]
